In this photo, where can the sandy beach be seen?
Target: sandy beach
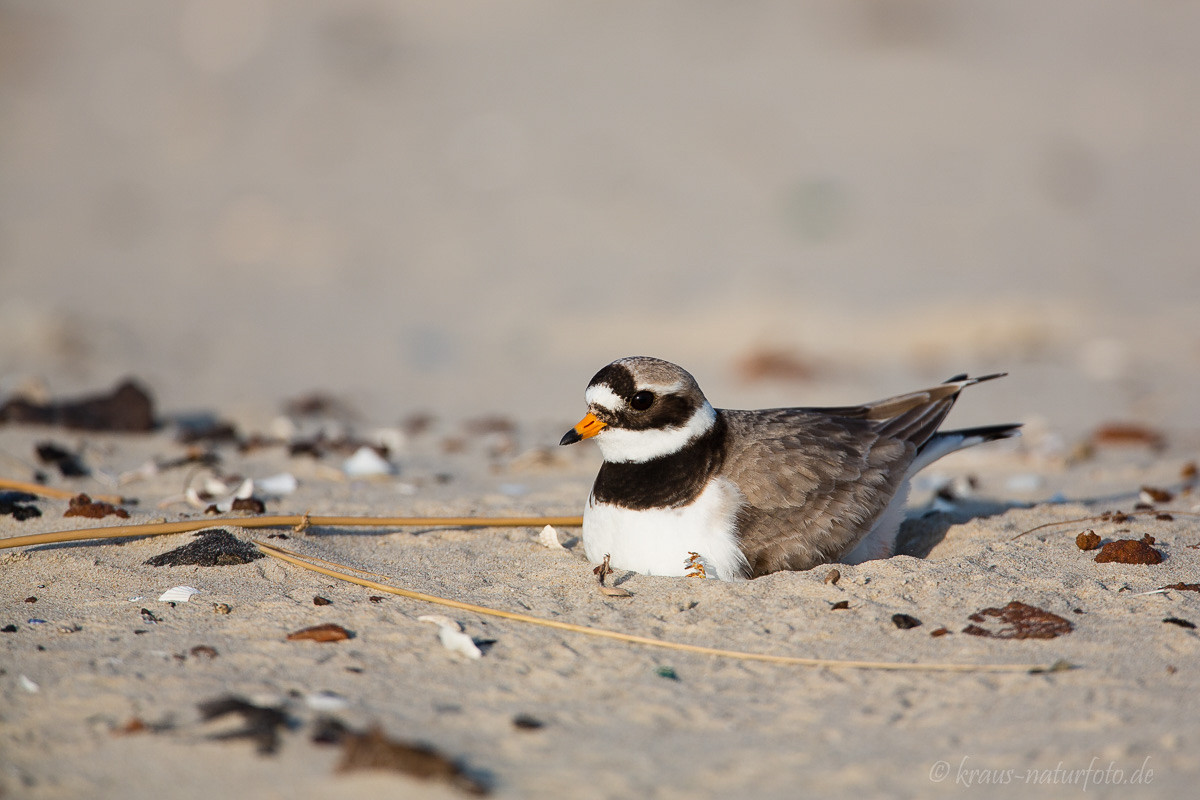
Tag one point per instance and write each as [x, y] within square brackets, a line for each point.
[368, 256]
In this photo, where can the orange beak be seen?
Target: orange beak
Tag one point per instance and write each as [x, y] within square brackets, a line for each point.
[587, 427]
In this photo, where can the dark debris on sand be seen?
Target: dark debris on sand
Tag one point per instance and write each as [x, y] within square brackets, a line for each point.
[375, 750]
[69, 464]
[17, 504]
[127, 408]
[214, 548]
[83, 506]
[1018, 621]
[262, 723]
[1130, 551]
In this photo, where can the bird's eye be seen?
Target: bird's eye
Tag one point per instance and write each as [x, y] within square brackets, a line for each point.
[642, 400]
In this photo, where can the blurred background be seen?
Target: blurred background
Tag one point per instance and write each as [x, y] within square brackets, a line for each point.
[469, 208]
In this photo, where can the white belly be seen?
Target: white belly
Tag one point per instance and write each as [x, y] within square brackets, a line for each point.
[660, 541]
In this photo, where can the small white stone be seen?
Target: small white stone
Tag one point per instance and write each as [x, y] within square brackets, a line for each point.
[282, 484]
[1025, 482]
[326, 701]
[365, 463]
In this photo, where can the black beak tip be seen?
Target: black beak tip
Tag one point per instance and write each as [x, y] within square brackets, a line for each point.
[570, 437]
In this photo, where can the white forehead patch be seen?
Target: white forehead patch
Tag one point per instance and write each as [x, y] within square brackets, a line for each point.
[600, 395]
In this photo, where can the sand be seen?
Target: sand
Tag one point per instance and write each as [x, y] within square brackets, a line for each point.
[424, 209]
[613, 724]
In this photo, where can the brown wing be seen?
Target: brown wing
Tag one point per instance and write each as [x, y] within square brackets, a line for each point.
[816, 479]
[813, 485]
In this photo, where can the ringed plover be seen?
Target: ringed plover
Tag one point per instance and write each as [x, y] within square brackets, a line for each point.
[747, 493]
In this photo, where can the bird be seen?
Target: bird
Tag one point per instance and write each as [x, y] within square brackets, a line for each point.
[689, 489]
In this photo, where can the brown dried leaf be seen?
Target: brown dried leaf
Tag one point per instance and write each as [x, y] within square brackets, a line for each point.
[250, 504]
[832, 577]
[329, 632]
[1129, 551]
[1128, 433]
[481, 426]
[134, 725]
[614, 591]
[1019, 621]
[1184, 587]
[1152, 494]
[374, 750]
[127, 408]
[774, 364]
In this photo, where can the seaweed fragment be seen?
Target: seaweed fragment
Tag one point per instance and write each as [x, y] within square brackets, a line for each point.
[127, 408]
[375, 750]
[1019, 621]
[212, 548]
[262, 723]
[83, 506]
[17, 504]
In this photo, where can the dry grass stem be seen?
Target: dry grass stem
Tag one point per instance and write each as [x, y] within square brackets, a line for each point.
[302, 561]
[54, 494]
[283, 521]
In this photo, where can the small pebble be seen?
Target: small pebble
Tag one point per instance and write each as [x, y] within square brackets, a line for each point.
[1183, 623]
[222, 608]
[525, 722]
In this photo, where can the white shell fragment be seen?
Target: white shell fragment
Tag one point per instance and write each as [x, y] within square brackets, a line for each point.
[365, 463]
[394, 439]
[549, 538]
[1025, 482]
[28, 685]
[451, 635]
[142, 473]
[218, 494]
[178, 594]
[278, 485]
[326, 701]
